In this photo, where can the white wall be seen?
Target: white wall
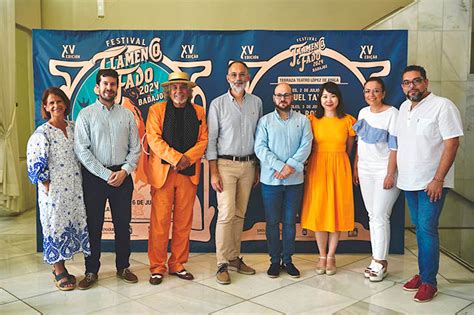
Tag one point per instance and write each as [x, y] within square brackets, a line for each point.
[439, 39]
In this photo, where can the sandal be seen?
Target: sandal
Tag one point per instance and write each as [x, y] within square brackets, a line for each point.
[368, 269]
[72, 278]
[321, 270]
[378, 272]
[331, 270]
[67, 285]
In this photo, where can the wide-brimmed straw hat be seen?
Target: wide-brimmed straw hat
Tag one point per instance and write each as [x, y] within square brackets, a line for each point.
[178, 77]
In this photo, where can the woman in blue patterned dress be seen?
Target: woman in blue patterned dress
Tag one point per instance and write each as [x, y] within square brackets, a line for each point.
[54, 167]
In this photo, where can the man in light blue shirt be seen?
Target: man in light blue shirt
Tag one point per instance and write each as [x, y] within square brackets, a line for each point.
[108, 146]
[282, 144]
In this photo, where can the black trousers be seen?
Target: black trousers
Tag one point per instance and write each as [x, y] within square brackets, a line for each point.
[96, 193]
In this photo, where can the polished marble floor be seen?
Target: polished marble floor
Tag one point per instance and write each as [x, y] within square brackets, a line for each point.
[26, 285]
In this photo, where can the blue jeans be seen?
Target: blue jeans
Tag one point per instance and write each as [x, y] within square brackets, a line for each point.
[281, 204]
[424, 216]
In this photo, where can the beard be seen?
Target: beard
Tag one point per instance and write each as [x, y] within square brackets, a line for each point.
[110, 98]
[415, 97]
[180, 100]
[283, 109]
[238, 86]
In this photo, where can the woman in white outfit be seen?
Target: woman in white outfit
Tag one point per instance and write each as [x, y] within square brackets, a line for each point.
[375, 170]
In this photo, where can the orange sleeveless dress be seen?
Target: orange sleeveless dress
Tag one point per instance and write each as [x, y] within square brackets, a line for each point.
[328, 203]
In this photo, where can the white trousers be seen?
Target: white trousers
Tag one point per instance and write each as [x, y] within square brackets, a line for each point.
[379, 203]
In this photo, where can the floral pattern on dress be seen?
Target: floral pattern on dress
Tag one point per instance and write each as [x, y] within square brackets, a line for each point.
[39, 171]
[50, 155]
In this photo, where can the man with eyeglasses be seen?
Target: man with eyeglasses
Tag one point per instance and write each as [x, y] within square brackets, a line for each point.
[232, 121]
[282, 144]
[428, 130]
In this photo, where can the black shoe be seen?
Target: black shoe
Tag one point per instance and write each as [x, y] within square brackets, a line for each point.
[274, 270]
[291, 270]
[156, 278]
[183, 274]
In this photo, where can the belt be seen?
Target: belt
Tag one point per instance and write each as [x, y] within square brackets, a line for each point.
[246, 158]
[114, 168]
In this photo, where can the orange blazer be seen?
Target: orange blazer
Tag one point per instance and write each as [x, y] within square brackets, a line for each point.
[160, 150]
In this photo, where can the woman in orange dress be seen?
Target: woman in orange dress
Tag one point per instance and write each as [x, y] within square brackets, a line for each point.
[328, 205]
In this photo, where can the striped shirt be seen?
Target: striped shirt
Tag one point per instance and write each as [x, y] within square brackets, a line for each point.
[231, 126]
[105, 138]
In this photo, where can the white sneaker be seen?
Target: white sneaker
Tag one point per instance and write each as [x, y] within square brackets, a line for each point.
[378, 272]
[369, 268]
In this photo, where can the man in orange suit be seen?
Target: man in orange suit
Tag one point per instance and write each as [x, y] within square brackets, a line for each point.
[177, 136]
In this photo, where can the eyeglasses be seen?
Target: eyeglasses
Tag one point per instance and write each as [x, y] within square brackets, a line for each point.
[237, 75]
[375, 91]
[415, 82]
[286, 95]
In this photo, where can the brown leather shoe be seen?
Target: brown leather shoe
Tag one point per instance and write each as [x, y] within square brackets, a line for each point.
[239, 266]
[89, 280]
[127, 276]
[222, 275]
[156, 279]
[183, 274]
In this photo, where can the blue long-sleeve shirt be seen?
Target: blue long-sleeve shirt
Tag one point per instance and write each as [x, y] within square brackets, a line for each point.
[279, 142]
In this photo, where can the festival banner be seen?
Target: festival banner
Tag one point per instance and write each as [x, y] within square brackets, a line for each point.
[143, 59]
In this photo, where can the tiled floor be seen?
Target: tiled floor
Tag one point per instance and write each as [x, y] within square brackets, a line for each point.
[26, 285]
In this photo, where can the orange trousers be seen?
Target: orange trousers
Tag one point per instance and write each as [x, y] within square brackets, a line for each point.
[179, 191]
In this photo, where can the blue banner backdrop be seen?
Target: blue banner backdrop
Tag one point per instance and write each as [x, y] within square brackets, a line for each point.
[143, 59]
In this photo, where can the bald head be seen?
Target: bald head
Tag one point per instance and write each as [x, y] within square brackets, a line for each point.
[282, 88]
[282, 97]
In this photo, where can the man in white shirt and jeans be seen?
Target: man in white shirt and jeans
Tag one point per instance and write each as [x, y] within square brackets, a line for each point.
[428, 131]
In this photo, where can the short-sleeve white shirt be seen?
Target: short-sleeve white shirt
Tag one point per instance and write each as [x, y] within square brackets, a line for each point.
[421, 132]
[375, 140]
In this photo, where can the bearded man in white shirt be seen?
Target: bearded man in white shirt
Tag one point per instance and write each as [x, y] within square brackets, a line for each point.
[428, 130]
